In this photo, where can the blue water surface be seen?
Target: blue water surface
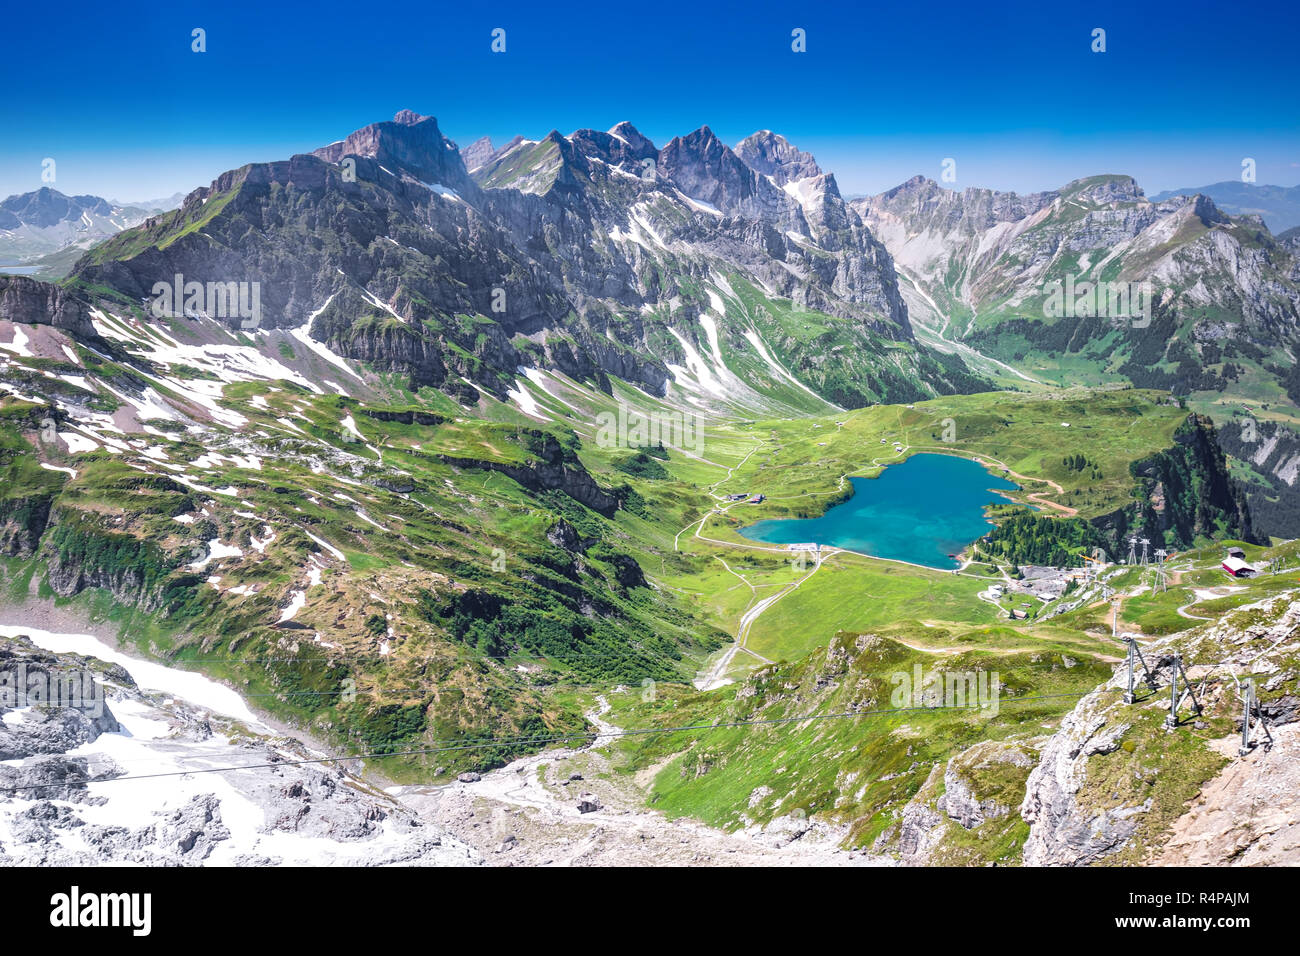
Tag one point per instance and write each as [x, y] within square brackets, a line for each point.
[922, 510]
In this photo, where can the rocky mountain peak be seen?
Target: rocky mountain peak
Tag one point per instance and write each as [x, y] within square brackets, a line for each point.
[918, 185]
[477, 153]
[1203, 207]
[45, 207]
[638, 141]
[409, 118]
[773, 155]
[482, 153]
[705, 168]
[1102, 190]
[627, 146]
[410, 142]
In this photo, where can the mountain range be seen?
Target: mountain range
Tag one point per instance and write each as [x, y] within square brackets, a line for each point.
[712, 276]
[705, 276]
[335, 430]
[592, 255]
[46, 221]
[980, 267]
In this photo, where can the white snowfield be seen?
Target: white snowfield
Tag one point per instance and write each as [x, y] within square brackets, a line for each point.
[19, 343]
[197, 795]
[195, 688]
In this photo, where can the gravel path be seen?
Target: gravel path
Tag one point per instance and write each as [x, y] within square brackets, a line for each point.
[526, 814]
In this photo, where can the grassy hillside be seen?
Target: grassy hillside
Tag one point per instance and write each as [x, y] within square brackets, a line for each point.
[406, 573]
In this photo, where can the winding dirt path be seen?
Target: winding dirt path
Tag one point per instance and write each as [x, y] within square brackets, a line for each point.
[527, 814]
[713, 675]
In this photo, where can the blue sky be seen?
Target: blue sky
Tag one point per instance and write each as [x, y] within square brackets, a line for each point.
[1014, 94]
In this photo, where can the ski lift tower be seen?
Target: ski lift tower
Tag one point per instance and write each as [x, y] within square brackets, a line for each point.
[1162, 576]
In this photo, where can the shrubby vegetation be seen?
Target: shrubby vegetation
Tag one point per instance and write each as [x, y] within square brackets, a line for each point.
[1031, 538]
[641, 465]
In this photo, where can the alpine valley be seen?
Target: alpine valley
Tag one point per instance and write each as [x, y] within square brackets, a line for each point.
[403, 485]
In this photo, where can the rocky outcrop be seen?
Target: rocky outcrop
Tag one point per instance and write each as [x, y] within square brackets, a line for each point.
[57, 703]
[773, 155]
[24, 299]
[565, 536]
[550, 473]
[627, 572]
[404, 416]
[300, 812]
[966, 798]
[978, 786]
[22, 522]
[1062, 830]
[921, 827]
[82, 555]
[1076, 819]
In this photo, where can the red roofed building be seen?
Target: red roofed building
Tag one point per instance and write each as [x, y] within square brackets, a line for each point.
[1237, 567]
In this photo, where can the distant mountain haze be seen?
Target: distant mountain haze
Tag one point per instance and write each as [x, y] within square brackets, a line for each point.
[1278, 206]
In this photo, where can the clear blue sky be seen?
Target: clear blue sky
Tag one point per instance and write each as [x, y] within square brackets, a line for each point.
[1011, 91]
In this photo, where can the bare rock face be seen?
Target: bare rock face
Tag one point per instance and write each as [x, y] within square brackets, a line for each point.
[1249, 815]
[971, 789]
[24, 299]
[1063, 832]
[704, 168]
[623, 145]
[24, 519]
[637, 141]
[193, 830]
[478, 153]
[412, 142]
[1222, 823]
[774, 155]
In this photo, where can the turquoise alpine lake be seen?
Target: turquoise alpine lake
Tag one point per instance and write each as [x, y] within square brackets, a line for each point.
[922, 510]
